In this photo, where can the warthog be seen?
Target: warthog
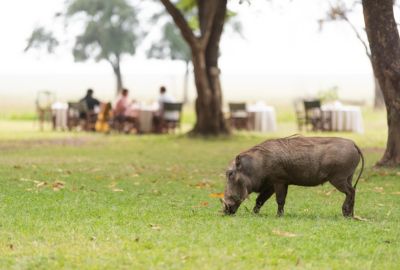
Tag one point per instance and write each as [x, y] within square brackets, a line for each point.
[270, 167]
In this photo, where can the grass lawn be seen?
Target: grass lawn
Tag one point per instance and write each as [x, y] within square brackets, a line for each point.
[81, 201]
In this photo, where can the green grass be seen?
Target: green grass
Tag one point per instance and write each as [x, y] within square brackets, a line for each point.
[142, 202]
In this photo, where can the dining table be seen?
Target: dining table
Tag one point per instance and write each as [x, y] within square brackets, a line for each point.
[145, 114]
[344, 117]
[60, 115]
[262, 117]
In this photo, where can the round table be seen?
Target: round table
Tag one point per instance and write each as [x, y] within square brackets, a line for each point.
[345, 118]
[262, 117]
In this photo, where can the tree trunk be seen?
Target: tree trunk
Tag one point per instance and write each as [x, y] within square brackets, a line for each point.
[210, 118]
[205, 52]
[379, 102]
[186, 84]
[118, 75]
[384, 42]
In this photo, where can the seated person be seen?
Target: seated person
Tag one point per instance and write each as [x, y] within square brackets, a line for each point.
[90, 102]
[122, 104]
[165, 98]
[123, 116]
[103, 118]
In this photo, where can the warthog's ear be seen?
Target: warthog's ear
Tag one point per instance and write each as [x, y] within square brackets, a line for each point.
[238, 163]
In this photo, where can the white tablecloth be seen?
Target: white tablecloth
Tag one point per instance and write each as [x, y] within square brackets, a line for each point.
[59, 111]
[345, 118]
[263, 117]
[146, 120]
[145, 113]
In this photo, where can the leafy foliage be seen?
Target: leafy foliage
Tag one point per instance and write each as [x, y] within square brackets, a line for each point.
[39, 37]
[110, 29]
[171, 45]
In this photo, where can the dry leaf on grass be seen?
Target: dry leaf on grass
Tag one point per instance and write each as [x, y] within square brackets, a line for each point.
[204, 203]
[329, 193]
[155, 227]
[378, 189]
[40, 184]
[58, 185]
[113, 187]
[396, 193]
[216, 195]
[285, 234]
[360, 218]
[203, 184]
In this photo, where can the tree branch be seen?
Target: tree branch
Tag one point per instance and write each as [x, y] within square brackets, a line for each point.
[207, 11]
[339, 12]
[180, 22]
[364, 43]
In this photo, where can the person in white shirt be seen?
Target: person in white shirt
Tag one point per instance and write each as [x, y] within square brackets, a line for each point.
[161, 115]
[164, 97]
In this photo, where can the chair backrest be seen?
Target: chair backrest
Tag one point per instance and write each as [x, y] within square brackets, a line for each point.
[80, 106]
[311, 104]
[172, 106]
[235, 107]
[312, 109]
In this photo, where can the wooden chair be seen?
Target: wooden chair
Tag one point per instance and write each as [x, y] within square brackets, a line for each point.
[73, 120]
[239, 117]
[44, 101]
[300, 115]
[315, 118]
[171, 116]
[78, 114]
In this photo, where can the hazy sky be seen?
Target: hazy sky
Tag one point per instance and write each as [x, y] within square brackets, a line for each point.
[283, 54]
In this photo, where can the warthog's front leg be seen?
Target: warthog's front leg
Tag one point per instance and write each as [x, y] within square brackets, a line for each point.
[281, 192]
[262, 198]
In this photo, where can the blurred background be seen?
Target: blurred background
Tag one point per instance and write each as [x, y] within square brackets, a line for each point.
[280, 53]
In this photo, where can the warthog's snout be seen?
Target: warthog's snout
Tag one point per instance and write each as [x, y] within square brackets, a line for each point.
[229, 209]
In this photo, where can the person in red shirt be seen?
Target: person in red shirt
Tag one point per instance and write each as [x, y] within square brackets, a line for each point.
[124, 119]
[122, 104]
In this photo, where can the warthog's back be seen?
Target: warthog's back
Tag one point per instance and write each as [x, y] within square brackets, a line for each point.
[309, 161]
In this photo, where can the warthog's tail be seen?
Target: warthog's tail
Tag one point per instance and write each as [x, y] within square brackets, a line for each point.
[362, 165]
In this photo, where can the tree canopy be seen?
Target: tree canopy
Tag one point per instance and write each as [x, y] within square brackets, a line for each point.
[110, 30]
[39, 37]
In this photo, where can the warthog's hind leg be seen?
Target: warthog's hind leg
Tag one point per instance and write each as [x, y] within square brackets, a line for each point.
[262, 198]
[281, 192]
[346, 187]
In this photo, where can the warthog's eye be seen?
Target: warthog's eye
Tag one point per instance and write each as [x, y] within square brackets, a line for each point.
[229, 174]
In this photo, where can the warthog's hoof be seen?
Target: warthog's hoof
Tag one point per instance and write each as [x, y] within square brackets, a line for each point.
[256, 210]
